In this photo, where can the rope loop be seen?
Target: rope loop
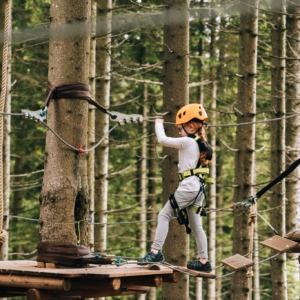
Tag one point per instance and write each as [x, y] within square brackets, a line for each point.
[252, 218]
[249, 273]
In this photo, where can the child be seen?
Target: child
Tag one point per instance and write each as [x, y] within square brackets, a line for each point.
[189, 121]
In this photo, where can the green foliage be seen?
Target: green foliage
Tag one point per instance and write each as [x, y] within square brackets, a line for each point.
[137, 58]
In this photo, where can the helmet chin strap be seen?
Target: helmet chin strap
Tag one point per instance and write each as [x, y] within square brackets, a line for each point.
[187, 132]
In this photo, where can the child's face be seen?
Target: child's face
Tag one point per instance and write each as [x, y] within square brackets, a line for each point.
[188, 128]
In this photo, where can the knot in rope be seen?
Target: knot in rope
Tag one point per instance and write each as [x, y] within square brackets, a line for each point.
[3, 238]
[249, 273]
[252, 218]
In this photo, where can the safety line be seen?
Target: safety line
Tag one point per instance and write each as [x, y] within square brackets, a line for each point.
[239, 124]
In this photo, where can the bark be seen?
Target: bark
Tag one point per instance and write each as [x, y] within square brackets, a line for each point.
[143, 180]
[91, 123]
[292, 106]
[175, 95]
[64, 197]
[241, 286]
[102, 121]
[212, 187]
[278, 265]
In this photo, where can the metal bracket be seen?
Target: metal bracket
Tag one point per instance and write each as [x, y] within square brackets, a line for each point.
[124, 119]
[37, 116]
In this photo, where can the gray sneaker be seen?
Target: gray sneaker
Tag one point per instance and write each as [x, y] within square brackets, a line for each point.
[151, 258]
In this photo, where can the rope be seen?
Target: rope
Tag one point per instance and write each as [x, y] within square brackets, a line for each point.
[3, 235]
[251, 222]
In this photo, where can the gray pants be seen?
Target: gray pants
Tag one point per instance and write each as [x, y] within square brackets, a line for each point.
[184, 199]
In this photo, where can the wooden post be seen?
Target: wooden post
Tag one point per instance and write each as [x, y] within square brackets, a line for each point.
[151, 280]
[34, 294]
[45, 283]
[171, 278]
[114, 283]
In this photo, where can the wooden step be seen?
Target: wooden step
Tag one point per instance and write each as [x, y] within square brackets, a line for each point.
[196, 273]
[279, 244]
[237, 262]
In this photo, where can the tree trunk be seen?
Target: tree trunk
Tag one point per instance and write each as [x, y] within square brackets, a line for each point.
[292, 106]
[64, 198]
[292, 140]
[102, 121]
[175, 95]
[278, 265]
[241, 286]
[91, 123]
[213, 165]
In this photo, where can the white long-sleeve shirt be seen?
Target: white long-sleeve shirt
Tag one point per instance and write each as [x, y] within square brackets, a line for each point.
[188, 156]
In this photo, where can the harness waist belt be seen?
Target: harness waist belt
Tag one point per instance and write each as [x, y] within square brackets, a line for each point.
[198, 172]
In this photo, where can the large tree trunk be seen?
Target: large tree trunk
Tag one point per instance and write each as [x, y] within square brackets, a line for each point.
[213, 165]
[64, 198]
[292, 106]
[102, 121]
[292, 141]
[241, 285]
[175, 95]
[278, 265]
[91, 123]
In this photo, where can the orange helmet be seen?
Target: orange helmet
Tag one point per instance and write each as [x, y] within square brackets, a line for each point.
[190, 112]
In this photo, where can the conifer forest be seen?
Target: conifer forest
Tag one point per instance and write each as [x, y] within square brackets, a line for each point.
[77, 175]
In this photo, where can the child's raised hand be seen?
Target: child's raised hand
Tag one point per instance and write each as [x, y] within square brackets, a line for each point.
[157, 121]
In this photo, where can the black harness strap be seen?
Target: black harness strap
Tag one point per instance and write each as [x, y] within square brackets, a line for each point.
[71, 90]
[180, 214]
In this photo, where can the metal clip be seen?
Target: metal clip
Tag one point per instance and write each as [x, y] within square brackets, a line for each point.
[124, 119]
[37, 116]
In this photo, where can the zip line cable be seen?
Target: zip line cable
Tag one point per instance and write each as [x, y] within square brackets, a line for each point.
[39, 119]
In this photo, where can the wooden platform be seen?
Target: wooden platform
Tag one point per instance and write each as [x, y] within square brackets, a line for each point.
[25, 278]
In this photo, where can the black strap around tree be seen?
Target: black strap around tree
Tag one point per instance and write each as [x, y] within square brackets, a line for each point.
[71, 90]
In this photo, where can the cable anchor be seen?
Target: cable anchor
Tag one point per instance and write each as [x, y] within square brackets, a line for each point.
[38, 116]
[124, 119]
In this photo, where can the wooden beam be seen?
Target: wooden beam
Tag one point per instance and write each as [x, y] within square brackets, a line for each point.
[34, 294]
[152, 280]
[91, 293]
[31, 282]
[172, 278]
[92, 284]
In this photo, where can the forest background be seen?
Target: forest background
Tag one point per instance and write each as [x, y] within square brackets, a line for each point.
[134, 159]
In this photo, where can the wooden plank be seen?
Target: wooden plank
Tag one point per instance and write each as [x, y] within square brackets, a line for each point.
[196, 273]
[35, 282]
[294, 236]
[237, 262]
[105, 271]
[279, 244]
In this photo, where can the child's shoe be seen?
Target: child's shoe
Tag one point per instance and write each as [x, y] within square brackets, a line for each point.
[198, 266]
[151, 258]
